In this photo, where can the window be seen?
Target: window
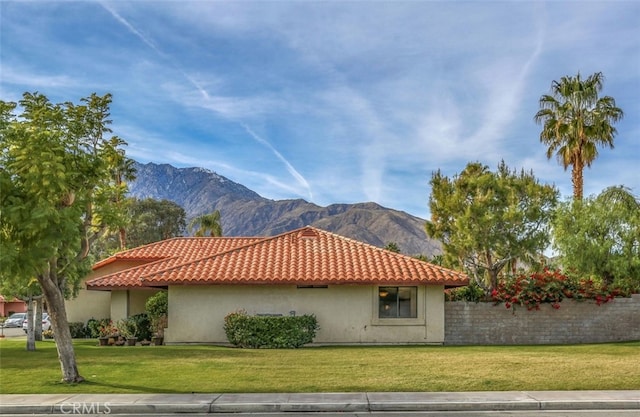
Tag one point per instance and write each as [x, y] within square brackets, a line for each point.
[397, 302]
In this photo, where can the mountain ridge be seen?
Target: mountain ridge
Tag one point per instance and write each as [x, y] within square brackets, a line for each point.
[246, 213]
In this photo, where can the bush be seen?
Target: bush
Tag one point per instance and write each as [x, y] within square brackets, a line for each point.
[471, 292]
[142, 325]
[550, 286]
[275, 332]
[94, 326]
[79, 330]
[157, 305]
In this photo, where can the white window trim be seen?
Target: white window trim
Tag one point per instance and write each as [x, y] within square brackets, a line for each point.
[420, 320]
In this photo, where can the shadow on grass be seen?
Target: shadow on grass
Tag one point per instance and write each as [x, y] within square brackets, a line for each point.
[127, 389]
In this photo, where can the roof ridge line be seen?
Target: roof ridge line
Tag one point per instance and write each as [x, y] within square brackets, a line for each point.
[257, 242]
[259, 239]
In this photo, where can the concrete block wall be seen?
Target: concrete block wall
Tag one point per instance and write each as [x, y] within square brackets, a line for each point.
[574, 322]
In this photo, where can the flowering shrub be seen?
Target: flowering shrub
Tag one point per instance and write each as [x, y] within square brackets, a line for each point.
[107, 329]
[549, 286]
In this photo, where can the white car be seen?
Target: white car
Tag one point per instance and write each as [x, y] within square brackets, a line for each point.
[46, 323]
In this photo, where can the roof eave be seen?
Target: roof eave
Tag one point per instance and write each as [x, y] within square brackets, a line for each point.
[166, 283]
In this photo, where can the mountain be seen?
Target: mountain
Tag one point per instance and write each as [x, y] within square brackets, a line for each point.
[246, 213]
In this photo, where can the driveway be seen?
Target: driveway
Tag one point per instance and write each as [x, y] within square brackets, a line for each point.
[12, 332]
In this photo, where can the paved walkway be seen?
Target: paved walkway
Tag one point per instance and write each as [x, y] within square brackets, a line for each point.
[318, 402]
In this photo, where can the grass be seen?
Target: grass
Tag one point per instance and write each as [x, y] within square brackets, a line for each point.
[186, 369]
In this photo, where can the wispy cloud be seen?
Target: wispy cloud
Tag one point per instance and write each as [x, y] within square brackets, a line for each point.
[331, 101]
[294, 173]
[40, 80]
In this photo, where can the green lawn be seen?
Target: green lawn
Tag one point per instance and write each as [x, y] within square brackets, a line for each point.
[186, 369]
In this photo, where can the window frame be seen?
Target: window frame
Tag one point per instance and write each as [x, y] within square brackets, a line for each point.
[399, 321]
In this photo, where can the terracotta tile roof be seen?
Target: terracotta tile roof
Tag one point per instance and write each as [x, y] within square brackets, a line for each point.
[306, 256]
[162, 255]
[187, 248]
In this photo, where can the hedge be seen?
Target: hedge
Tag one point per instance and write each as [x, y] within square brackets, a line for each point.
[275, 332]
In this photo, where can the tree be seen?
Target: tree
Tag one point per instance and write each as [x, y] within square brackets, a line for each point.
[486, 220]
[600, 236]
[122, 171]
[57, 198]
[155, 220]
[575, 122]
[207, 223]
[146, 221]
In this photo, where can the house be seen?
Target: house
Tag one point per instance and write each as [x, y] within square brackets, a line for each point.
[358, 292]
[10, 305]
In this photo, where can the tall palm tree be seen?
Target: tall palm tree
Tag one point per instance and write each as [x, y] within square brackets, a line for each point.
[575, 122]
[207, 223]
[123, 171]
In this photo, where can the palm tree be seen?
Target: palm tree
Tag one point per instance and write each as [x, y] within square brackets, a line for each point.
[207, 223]
[123, 171]
[575, 122]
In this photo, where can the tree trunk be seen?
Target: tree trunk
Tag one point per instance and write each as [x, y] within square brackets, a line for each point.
[31, 341]
[493, 278]
[577, 179]
[60, 325]
[122, 233]
[37, 323]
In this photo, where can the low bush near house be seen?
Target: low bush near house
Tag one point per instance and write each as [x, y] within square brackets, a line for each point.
[79, 330]
[142, 323]
[274, 332]
[552, 287]
[94, 326]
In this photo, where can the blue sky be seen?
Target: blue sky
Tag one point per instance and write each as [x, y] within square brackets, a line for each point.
[332, 101]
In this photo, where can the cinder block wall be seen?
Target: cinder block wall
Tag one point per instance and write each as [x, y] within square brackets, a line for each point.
[574, 322]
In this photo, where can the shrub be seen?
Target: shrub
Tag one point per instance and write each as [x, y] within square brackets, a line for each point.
[95, 325]
[127, 328]
[274, 332]
[143, 326]
[471, 292]
[157, 305]
[79, 330]
[550, 286]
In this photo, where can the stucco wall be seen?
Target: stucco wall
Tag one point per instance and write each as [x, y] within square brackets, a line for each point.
[573, 322]
[127, 303]
[346, 314]
[95, 304]
[89, 304]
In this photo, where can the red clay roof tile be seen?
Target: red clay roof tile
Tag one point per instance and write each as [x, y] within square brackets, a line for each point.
[304, 256]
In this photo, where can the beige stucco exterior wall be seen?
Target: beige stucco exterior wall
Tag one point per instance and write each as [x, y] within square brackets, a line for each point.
[346, 314]
[435, 313]
[119, 305]
[87, 305]
[138, 299]
[95, 304]
[127, 303]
